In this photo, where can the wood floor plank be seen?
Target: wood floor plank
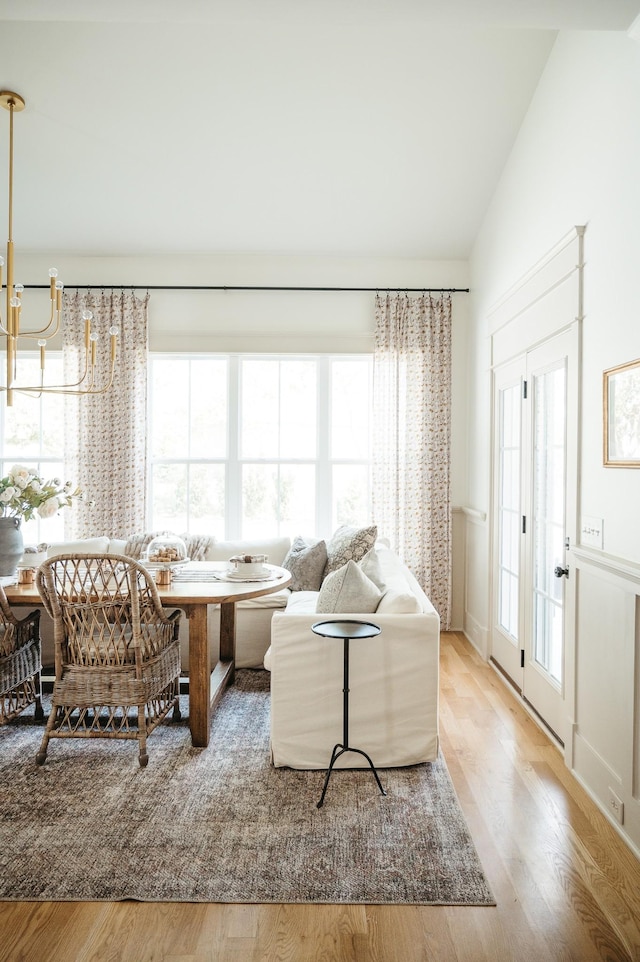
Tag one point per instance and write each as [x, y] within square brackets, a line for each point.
[567, 887]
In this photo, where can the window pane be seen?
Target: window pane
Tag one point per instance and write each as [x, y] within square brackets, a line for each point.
[206, 499]
[208, 411]
[350, 406]
[189, 408]
[260, 434]
[278, 409]
[34, 427]
[278, 499]
[169, 493]
[169, 391]
[350, 494]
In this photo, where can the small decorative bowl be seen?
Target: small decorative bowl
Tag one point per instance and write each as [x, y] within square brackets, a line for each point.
[248, 565]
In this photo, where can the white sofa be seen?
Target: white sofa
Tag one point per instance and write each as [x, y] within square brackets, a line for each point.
[394, 679]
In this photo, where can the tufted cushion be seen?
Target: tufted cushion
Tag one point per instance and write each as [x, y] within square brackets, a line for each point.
[348, 590]
[306, 561]
[349, 544]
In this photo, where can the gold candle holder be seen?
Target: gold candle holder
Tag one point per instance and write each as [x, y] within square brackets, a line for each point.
[26, 576]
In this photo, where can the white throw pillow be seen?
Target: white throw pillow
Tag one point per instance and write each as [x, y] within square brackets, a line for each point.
[349, 544]
[306, 561]
[348, 590]
[370, 564]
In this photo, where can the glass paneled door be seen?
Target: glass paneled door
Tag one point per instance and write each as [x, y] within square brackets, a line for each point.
[535, 498]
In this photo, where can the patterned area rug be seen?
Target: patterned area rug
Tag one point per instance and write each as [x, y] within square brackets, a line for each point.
[220, 824]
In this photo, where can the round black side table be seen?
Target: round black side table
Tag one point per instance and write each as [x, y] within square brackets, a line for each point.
[345, 630]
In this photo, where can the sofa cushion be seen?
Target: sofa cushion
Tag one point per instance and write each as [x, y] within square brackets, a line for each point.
[277, 599]
[348, 590]
[399, 602]
[349, 544]
[275, 549]
[302, 602]
[83, 546]
[306, 561]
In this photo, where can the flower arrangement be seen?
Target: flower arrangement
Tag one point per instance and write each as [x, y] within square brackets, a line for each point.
[23, 493]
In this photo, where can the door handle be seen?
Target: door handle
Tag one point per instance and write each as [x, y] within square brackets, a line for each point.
[559, 572]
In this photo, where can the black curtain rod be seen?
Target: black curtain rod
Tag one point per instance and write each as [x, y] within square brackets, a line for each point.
[228, 287]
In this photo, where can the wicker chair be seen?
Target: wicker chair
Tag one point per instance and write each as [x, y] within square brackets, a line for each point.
[117, 654]
[19, 662]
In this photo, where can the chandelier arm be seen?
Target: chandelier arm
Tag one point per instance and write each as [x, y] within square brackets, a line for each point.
[72, 389]
[10, 328]
[36, 392]
[54, 319]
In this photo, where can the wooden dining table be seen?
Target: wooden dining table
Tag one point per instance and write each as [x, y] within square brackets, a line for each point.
[193, 587]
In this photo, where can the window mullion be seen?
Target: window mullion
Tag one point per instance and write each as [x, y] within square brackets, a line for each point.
[324, 495]
[234, 464]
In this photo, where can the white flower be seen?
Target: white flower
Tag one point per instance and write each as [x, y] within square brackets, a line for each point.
[20, 475]
[49, 508]
[23, 493]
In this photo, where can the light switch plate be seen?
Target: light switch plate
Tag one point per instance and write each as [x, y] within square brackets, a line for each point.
[591, 531]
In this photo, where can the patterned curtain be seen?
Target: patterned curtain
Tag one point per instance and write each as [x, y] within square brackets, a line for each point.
[106, 433]
[411, 437]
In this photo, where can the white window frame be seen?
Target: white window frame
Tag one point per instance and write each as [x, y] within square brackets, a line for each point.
[234, 463]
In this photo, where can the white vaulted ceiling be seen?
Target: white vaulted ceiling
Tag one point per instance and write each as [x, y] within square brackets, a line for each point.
[355, 127]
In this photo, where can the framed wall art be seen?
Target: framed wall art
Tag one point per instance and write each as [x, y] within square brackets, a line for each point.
[621, 396]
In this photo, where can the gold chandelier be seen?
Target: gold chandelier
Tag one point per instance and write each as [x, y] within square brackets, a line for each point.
[10, 326]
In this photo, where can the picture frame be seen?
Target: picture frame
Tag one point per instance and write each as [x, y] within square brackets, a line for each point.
[621, 398]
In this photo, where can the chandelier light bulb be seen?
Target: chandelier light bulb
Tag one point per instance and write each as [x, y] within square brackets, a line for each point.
[18, 288]
[87, 315]
[53, 272]
[59, 286]
[42, 342]
[15, 302]
[93, 336]
[113, 331]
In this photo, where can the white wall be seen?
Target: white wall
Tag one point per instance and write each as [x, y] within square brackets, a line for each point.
[576, 161]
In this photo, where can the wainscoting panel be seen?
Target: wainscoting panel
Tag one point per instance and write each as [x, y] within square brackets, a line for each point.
[606, 737]
[476, 611]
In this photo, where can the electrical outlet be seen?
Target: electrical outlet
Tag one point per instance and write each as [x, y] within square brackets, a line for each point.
[616, 806]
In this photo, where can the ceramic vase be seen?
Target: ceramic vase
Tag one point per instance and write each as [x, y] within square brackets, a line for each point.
[11, 546]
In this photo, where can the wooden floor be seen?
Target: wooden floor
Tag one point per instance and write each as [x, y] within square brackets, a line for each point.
[566, 886]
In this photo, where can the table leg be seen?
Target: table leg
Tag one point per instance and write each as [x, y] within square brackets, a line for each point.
[228, 637]
[199, 675]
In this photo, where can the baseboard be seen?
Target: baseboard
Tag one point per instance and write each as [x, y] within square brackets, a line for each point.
[476, 635]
